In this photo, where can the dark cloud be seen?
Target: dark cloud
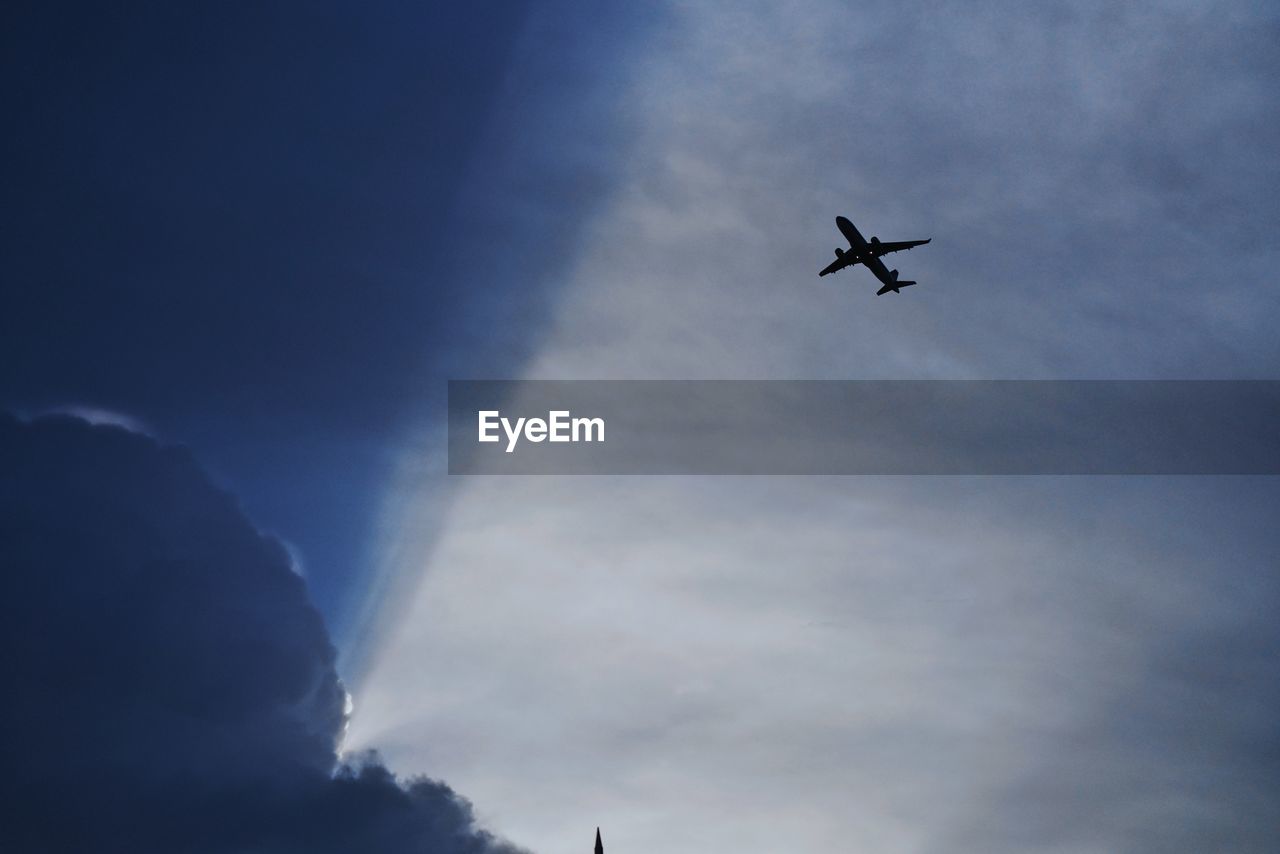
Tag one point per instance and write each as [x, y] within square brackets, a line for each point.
[169, 686]
[286, 222]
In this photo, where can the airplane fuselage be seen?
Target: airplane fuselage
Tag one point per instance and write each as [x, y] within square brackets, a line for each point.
[859, 246]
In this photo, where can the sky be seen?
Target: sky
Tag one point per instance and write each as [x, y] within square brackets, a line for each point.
[269, 235]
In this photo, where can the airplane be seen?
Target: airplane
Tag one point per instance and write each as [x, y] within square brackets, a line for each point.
[862, 252]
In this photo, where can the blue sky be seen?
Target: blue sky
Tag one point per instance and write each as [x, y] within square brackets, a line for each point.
[271, 234]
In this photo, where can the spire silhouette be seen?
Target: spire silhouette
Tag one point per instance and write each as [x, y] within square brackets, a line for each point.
[599, 844]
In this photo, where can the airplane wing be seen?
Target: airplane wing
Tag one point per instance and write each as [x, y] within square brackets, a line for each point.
[838, 264]
[886, 248]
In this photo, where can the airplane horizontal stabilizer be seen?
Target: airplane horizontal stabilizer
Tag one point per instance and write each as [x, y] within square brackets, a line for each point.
[894, 287]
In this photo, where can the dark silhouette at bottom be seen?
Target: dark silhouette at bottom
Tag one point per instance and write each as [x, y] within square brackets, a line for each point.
[599, 844]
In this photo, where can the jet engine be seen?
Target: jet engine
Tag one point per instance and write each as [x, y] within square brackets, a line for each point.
[875, 239]
[839, 252]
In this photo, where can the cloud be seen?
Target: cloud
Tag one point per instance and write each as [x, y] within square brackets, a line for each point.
[1096, 181]
[100, 415]
[168, 685]
[891, 664]
[914, 665]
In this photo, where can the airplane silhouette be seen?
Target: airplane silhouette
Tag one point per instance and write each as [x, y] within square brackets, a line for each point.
[868, 254]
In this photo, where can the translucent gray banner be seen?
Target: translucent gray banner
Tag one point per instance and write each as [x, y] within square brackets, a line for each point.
[943, 427]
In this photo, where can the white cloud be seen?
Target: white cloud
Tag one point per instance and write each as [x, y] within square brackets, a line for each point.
[799, 664]
[100, 415]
